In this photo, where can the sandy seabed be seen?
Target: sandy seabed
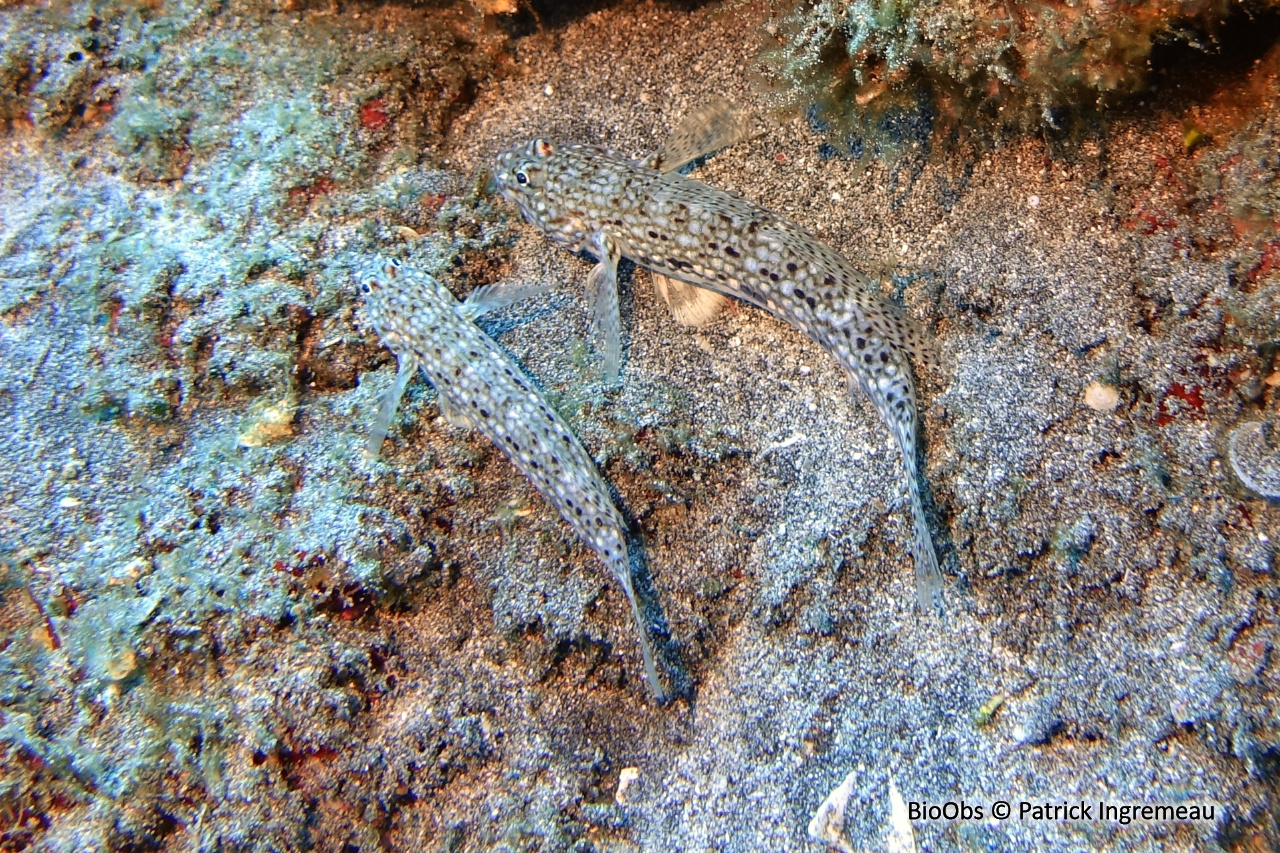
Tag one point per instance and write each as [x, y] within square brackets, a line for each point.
[225, 628]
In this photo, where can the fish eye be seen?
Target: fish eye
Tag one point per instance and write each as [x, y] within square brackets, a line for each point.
[364, 286]
[522, 177]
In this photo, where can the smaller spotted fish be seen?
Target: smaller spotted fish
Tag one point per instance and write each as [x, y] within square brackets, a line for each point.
[481, 387]
[584, 197]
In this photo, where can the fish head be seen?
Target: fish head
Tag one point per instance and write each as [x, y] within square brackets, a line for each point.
[522, 178]
[382, 301]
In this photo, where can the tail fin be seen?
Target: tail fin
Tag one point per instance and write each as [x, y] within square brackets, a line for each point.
[902, 423]
[928, 576]
[650, 669]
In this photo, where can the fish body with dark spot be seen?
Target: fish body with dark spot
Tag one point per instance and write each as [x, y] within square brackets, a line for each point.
[587, 198]
[481, 387]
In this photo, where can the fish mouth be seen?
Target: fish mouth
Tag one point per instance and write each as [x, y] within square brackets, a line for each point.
[509, 193]
[506, 189]
[503, 175]
[525, 211]
[502, 186]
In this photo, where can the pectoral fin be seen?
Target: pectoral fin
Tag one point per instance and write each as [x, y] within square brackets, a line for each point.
[452, 413]
[390, 402]
[704, 131]
[691, 305]
[491, 297]
[602, 293]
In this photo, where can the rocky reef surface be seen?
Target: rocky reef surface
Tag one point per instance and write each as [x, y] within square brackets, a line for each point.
[226, 628]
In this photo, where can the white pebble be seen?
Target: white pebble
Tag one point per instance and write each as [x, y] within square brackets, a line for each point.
[1101, 398]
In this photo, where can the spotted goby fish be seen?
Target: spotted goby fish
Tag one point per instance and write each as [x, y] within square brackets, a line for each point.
[479, 386]
[587, 198]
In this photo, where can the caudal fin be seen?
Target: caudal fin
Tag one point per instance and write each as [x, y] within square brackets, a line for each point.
[928, 576]
[642, 629]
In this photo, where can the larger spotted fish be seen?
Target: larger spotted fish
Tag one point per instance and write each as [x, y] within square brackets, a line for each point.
[588, 198]
[481, 387]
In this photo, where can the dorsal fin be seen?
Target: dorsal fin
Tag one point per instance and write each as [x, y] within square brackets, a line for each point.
[715, 125]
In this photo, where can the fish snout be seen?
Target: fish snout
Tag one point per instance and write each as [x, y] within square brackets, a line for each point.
[502, 182]
[506, 165]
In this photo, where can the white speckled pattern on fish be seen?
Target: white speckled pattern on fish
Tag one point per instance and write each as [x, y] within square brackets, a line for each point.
[585, 197]
[480, 386]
